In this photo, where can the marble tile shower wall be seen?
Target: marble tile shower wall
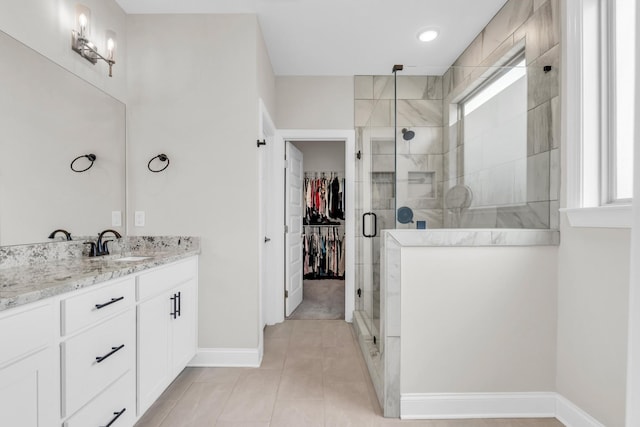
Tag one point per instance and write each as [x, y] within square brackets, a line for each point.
[410, 174]
[536, 23]
[420, 170]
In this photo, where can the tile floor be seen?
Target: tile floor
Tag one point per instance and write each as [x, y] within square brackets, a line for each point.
[312, 375]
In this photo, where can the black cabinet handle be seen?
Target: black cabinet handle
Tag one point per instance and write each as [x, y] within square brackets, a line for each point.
[179, 296]
[174, 298]
[117, 415]
[99, 306]
[375, 224]
[113, 350]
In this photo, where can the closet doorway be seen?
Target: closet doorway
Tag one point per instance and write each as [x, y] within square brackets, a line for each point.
[315, 234]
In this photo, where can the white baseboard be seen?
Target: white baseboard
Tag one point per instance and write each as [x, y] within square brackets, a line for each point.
[572, 416]
[477, 405]
[226, 357]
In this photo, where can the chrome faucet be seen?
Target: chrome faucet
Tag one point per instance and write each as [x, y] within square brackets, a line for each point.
[67, 235]
[100, 247]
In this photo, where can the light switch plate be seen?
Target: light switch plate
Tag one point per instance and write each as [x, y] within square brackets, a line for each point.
[116, 219]
[139, 219]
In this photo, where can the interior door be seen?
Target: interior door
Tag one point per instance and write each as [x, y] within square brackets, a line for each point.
[294, 212]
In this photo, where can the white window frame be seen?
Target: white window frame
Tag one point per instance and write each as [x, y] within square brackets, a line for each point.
[587, 53]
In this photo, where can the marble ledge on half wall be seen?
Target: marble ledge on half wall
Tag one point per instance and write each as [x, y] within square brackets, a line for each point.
[474, 237]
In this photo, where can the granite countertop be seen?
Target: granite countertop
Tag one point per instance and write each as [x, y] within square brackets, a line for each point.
[30, 282]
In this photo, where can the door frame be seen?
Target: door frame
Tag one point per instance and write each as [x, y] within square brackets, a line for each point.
[267, 132]
[277, 186]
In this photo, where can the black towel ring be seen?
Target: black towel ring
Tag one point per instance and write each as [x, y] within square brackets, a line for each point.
[162, 158]
[91, 157]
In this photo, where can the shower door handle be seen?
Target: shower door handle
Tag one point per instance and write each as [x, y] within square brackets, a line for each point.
[375, 224]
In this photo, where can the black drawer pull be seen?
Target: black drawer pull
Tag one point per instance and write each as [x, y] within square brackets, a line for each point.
[179, 304]
[117, 415]
[113, 350]
[174, 299]
[99, 306]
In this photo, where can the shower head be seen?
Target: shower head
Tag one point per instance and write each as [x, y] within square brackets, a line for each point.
[407, 134]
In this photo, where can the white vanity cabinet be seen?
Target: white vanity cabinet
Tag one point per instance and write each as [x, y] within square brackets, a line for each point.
[29, 384]
[97, 351]
[167, 325]
[86, 357]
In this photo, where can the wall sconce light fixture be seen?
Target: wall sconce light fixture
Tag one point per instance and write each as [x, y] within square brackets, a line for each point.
[81, 44]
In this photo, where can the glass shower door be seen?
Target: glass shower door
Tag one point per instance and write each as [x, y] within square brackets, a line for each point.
[375, 185]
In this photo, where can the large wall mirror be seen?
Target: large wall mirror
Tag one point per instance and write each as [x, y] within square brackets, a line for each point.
[48, 117]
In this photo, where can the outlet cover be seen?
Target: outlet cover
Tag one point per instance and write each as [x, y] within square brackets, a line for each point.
[139, 219]
[116, 219]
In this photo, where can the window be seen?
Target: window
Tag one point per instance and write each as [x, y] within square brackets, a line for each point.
[600, 111]
[494, 130]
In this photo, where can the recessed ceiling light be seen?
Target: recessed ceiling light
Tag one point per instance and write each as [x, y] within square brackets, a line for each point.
[427, 35]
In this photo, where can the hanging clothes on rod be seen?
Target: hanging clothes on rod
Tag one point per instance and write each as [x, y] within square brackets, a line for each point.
[323, 252]
[323, 197]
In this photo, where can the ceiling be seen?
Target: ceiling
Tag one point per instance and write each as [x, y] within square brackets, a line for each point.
[350, 37]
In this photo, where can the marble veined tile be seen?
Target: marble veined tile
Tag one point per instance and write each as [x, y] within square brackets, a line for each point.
[419, 113]
[373, 113]
[525, 237]
[506, 21]
[539, 129]
[470, 58]
[532, 215]
[543, 86]
[555, 122]
[554, 174]
[554, 214]
[419, 87]
[434, 88]
[542, 30]
[383, 87]
[538, 3]
[362, 113]
[472, 237]
[427, 140]
[538, 177]
[383, 146]
[363, 87]
[447, 83]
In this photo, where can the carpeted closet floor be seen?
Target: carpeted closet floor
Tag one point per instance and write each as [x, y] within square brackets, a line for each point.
[321, 300]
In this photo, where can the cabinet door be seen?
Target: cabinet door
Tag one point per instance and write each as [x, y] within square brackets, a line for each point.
[154, 366]
[183, 327]
[28, 396]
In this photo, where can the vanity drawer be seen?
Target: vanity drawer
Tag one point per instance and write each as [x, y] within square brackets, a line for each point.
[85, 309]
[165, 278]
[25, 330]
[84, 375]
[119, 397]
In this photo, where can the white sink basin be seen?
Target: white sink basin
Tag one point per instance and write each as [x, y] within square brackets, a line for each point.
[131, 258]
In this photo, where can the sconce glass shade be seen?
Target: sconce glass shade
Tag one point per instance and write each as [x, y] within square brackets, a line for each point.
[83, 21]
[110, 38]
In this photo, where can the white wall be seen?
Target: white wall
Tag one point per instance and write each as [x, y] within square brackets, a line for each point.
[193, 94]
[478, 319]
[46, 26]
[314, 102]
[593, 282]
[322, 156]
[633, 367]
[593, 299]
[265, 76]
